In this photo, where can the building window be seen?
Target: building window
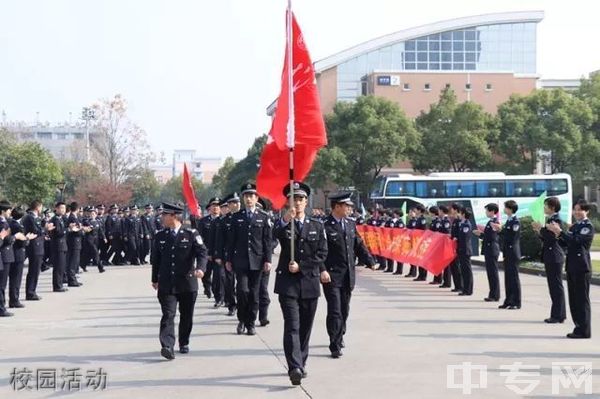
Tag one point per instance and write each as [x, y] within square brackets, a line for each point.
[427, 87]
[78, 136]
[62, 136]
[488, 87]
[406, 87]
[44, 135]
[468, 87]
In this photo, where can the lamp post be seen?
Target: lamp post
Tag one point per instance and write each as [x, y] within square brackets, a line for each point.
[87, 114]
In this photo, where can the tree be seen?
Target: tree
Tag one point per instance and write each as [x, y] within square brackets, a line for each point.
[454, 136]
[371, 133]
[171, 191]
[102, 192]
[219, 181]
[121, 146]
[144, 186]
[550, 121]
[329, 167]
[245, 170]
[77, 173]
[589, 92]
[28, 172]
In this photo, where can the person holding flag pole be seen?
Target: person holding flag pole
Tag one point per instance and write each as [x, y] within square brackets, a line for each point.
[297, 134]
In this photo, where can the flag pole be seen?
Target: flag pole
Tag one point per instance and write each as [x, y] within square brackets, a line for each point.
[291, 127]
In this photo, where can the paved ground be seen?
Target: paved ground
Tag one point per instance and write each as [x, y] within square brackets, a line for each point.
[402, 335]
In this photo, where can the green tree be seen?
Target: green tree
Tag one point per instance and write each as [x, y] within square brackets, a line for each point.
[589, 92]
[329, 167]
[219, 180]
[371, 133]
[77, 173]
[144, 186]
[172, 192]
[246, 169]
[28, 172]
[552, 121]
[454, 136]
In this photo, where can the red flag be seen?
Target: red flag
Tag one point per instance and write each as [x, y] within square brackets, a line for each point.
[188, 192]
[309, 129]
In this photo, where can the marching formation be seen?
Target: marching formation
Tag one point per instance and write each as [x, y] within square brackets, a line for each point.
[560, 242]
[68, 239]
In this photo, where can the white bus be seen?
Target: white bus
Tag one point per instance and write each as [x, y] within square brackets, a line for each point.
[473, 190]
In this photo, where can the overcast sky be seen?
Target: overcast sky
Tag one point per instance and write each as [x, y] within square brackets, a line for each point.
[199, 74]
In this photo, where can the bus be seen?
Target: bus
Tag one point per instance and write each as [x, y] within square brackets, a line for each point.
[473, 190]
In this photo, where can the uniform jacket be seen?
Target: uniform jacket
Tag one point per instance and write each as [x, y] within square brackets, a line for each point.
[249, 241]
[578, 241]
[511, 239]
[552, 252]
[491, 244]
[33, 224]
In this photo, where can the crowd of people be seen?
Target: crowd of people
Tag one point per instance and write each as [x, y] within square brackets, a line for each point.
[561, 243]
[68, 240]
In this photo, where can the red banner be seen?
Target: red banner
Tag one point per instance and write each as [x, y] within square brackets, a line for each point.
[430, 250]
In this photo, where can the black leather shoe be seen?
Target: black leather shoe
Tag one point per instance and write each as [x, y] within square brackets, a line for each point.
[240, 328]
[44, 267]
[464, 294]
[296, 376]
[433, 282]
[577, 336]
[304, 373]
[456, 290]
[231, 312]
[207, 293]
[513, 307]
[76, 284]
[445, 286]
[34, 297]
[490, 300]
[101, 269]
[167, 353]
[16, 305]
[552, 320]
[61, 290]
[5, 314]
[264, 323]
[217, 305]
[84, 268]
[397, 273]
[336, 354]
[251, 331]
[184, 349]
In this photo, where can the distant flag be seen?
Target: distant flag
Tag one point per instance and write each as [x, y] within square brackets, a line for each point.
[404, 214]
[188, 192]
[363, 210]
[537, 209]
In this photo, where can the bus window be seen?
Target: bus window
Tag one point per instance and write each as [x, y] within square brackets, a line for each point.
[485, 188]
[421, 187]
[435, 189]
[378, 187]
[556, 187]
[400, 188]
[525, 188]
[460, 188]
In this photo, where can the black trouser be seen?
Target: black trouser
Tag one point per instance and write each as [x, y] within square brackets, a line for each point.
[90, 254]
[131, 252]
[338, 308]
[413, 271]
[399, 268]
[298, 318]
[33, 274]
[218, 281]
[139, 245]
[491, 268]
[230, 289]
[422, 273]
[247, 290]
[447, 276]
[578, 285]
[15, 277]
[437, 278]
[390, 265]
[263, 297]
[207, 278]
[73, 260]
[456, 274]
[3, 282]
[59, 263]
[168, 305]
[557, 290]
[104, 247]
[116, 249]
[466, 273]
[146, 245]
[512, 282]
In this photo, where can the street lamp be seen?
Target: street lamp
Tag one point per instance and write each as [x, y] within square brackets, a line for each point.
[87, 114]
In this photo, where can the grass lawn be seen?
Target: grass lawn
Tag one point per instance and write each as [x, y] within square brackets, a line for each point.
[595, 266]
[596, 243]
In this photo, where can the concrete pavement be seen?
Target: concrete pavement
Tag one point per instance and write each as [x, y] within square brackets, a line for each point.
[402, 336]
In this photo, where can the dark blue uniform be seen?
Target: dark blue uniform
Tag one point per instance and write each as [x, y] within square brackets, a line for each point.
[554, 258]
[445, 228]
[214, 279]
[32, 223]
[490, 248]
[16, 271]
[436, 225]
[421, 225]
[465, 251]
[511, 252]
[74, 246]
[579, 271]
[411, 225]
[58, 252]
[455, 265]
[8, 259]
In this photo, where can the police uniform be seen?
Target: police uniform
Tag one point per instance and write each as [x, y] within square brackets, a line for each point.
[390, 224]
[15, 275]
[554, 258]
[344, 246]
[398, 224]
[511, 253]
[464, 256]
[222, 234]
[74, 245]
[421, 225]
[490, 247]
[32, 223]
[579, 272]
[114, 233]
[455, 265]
[299, 292]
[263, 293]
[176, 256]
[58, 252]
[411, 225]
[8, 258]
[214, 279]
[445, 227]
[90, 252]
[133, 233]
[149, 232]
[248, 250]
[103, 245]
[436, 226]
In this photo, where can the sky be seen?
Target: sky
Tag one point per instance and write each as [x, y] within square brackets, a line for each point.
[199, 74]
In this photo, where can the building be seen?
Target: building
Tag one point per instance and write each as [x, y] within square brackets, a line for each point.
[483, 58]
[202, 168]
[64, 141]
